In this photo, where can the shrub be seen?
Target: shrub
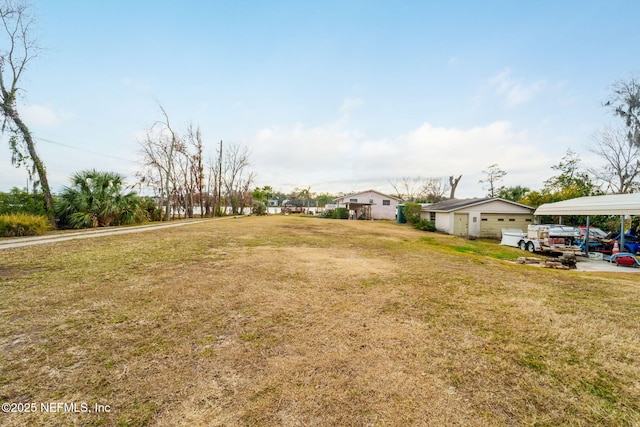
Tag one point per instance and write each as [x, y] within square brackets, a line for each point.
[412, 212]
[259, 208]
[22, 201]
[96, 199]
[153, 212]
[341, 213]
[13, 225]
[425, 225]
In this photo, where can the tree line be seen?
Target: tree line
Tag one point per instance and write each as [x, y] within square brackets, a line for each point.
[183, 181]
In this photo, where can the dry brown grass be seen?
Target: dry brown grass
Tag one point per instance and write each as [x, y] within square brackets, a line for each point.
[301, 322]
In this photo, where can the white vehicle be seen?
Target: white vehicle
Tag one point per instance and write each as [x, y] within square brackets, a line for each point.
[544, 238]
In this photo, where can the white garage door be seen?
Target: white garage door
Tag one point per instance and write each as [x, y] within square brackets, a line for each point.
[491, 225]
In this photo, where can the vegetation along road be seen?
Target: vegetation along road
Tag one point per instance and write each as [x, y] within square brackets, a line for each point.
[294, 321]
[87, 234]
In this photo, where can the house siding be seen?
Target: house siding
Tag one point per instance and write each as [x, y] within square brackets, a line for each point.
[378, 209]
[445, 221]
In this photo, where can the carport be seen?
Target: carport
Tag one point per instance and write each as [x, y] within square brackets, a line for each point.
[610, 204]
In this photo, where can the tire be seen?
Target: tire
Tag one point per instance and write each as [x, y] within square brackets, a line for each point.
[522, 245]
[530, 247]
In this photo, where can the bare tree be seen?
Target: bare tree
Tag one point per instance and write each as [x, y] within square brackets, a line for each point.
[407, 188]
[434, 189]
[493, 175]
[453, 183]
[415, 189]
[236, 162]
[621, 160]
[189, 175]
[158, 151]
[212, 187]
[197, 167]
[20, 48]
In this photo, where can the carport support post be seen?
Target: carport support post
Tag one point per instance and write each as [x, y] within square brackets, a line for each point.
[586, 238]
[621, 242]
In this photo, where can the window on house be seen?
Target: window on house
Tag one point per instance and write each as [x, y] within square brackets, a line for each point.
[386, 203]
[353, 200]
[512, 219]
[432, 216]
[500, 219]
[371, 201]
[484, 219]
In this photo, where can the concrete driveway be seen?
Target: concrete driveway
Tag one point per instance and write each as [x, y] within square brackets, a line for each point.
[585, 264]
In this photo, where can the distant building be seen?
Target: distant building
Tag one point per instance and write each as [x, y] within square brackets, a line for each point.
[370, 204]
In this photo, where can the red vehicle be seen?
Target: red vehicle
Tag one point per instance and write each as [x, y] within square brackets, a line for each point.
[625, 258]
[594, 232]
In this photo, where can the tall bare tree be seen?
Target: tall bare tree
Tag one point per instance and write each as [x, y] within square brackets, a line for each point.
[158, 151]
[621, 156]
[19, 48]
[453, 183]
[235, 164]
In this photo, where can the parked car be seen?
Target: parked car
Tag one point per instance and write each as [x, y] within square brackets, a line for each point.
[594, 232]
[596, 238]
[631, 244]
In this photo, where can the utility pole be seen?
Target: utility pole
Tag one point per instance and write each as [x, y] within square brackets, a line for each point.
[219, 198]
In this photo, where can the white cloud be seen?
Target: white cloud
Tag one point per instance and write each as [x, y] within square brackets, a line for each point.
[332, 158]
[40, 115]
[515, 92]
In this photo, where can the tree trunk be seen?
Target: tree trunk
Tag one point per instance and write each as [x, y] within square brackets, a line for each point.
[454, 184]
[40, 169]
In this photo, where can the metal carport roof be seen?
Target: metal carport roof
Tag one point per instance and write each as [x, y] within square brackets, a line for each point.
[611, 204]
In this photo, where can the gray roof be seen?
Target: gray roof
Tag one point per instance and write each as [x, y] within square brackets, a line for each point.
[455, 204]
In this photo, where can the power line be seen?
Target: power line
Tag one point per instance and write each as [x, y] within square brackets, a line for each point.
[83, 149]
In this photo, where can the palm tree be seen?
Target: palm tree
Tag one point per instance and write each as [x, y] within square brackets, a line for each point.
[96, 199]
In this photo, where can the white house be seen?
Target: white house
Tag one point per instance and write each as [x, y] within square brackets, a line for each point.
[370, 204]
[484, 218]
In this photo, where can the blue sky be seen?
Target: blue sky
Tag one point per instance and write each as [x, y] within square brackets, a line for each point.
[337, 95]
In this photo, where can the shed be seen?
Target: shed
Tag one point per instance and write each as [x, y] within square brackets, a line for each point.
[480, 217]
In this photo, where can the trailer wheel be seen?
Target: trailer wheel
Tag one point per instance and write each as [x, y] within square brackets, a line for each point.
[522, 245]
[530, 247]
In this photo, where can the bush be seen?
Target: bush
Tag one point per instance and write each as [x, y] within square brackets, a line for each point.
[425, 225]
[412, 212]
[259, 208]
[13, 225]
[153, 212]
[341, 213]
[22, 201]
[96, 199]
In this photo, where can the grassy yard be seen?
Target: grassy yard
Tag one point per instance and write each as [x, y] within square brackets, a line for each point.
[291, 321]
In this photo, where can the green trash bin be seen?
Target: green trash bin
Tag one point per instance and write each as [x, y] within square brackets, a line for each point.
[402, 219]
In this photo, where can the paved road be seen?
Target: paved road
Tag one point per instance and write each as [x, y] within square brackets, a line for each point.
[40, 240]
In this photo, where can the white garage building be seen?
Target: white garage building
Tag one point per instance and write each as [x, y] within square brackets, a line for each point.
[483, 218]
